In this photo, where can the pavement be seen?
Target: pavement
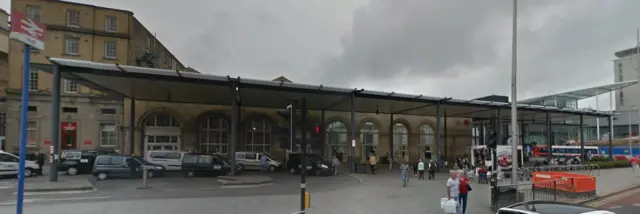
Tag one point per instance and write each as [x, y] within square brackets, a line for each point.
[358, 194]
[627, 202]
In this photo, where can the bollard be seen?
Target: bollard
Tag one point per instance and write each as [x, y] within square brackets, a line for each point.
[145, 171]
[307, 200]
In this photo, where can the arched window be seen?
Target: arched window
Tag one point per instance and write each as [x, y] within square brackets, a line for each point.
[162, 132]
[258, 135]
[214, 135]
[400, 140]
[427, 137]
[369, 138]
[336, 138]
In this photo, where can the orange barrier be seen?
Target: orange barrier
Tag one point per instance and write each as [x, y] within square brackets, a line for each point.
[564, 182]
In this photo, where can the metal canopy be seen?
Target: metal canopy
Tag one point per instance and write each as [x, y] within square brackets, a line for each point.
[583, 93]
[150, 84]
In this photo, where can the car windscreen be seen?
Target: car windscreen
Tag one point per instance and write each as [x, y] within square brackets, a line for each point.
[142, 160]
[190, 159]
[314, 158]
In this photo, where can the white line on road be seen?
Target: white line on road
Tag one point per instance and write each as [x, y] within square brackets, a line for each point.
[35, 200]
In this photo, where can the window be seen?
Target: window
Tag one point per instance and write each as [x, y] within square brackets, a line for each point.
[251, 156]
[427, 138]
[214, 135]
[69, 110]
[33, 12]
[336, 138]
[369, 138]
[169, 60]
[620, 73]
[108, 134]
[33, 80]
[190, 159]
[110, 23]
[32, 108]
[400, 140]
[103, 160]
[8, 158]
[162, 120]
[110, 50]
[116, 161]
[71, 46]
[73, 18]
[32, 130]
[70, 86]
[258, 135]
[3, 124]
[621, 98]
[108, 111]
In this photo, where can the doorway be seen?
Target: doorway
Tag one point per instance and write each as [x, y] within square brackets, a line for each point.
[68, 135]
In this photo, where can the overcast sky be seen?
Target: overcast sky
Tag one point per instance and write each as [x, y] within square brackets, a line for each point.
[457, 48]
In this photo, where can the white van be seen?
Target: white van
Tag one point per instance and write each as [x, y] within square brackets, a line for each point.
[171, 160]
[9, 165]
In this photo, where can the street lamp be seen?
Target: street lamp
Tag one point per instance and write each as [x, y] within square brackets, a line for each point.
[514, 104]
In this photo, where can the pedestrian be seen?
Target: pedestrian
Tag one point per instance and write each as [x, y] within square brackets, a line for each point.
[40, 159]
[420, 169]
[390, 160]
[336, 165]
[465, 187]
[263, 162]
[415, 167]
[634, 163]
[453, 188]
[404, 173]
[372, 163]
[432, 170]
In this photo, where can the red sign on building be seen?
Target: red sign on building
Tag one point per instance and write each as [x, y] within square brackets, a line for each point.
[26, 30]
[47, 141]
[87, 141]
[70, 126]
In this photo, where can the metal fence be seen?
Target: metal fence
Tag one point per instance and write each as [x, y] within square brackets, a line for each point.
[524, 174]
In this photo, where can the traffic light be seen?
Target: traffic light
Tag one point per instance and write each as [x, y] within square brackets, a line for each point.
[492, 139]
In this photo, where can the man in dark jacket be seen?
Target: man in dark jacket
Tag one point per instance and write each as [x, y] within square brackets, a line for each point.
[40, 159]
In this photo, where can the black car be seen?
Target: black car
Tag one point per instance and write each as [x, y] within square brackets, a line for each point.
[78, 161]
[315, 164]
[206, 165]
[108, 166]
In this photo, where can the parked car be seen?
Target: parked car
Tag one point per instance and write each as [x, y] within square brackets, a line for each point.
[107, 166]
[315, 164]
[251, 161]
[76, 161]
[9, 166]
[549, 207]
[171, 160]
[206, 165]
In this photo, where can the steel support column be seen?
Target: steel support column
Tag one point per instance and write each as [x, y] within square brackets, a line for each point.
[353, 133]
[446, 135]
[132, 127]
[582, 156]
[323, 133]
[610, 138]
[549, 136]
[391, 136]
[234, 127]
[303, 153]
[438, 144]
[499, 128]
[55, 122]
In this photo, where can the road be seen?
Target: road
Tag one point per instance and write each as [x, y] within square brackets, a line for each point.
[623, 203]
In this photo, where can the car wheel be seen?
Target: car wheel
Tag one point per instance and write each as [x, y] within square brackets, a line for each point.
[72, 171]
[272, 168]
[293, 171]
[28, 172]
[102, 176]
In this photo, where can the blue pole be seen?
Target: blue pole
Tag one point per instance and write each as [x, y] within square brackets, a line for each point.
[23, 126]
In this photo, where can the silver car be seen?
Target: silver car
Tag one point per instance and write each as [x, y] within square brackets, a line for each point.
[549, 207]
[251, 161]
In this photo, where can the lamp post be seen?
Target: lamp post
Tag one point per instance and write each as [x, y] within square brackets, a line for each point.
[514, 100]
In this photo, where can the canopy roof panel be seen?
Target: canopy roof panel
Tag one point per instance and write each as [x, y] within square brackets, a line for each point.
[150, 84]
[582, 93]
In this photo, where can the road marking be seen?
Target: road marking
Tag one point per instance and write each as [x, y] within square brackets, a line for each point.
[636, 205]
[612, 198]
[35, 200]
[615, 207]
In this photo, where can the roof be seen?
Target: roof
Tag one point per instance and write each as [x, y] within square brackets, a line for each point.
[151, 84]
[627, 52]
[582, 93]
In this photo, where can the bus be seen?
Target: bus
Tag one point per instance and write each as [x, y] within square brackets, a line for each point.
[564, 151]
[481, 155]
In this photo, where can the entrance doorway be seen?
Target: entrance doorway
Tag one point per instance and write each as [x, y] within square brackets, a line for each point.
[161, 132]
[68, 135]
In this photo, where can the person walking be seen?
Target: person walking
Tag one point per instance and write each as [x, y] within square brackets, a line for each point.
[336, 165]
[263, 162]
[40, 160]
[634, 163]
[420, 169]
[465, 187]
[372, 163]
[404, 173]
[390, 159]
[415, 167]
[453, 188]
[432, 170]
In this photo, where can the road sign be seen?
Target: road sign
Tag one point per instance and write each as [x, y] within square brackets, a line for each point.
[26, 30]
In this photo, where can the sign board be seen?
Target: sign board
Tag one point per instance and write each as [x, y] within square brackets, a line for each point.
[87, 141]
[47, 141]
[26, 30]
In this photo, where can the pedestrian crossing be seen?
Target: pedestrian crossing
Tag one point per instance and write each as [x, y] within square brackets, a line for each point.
[7, 185]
